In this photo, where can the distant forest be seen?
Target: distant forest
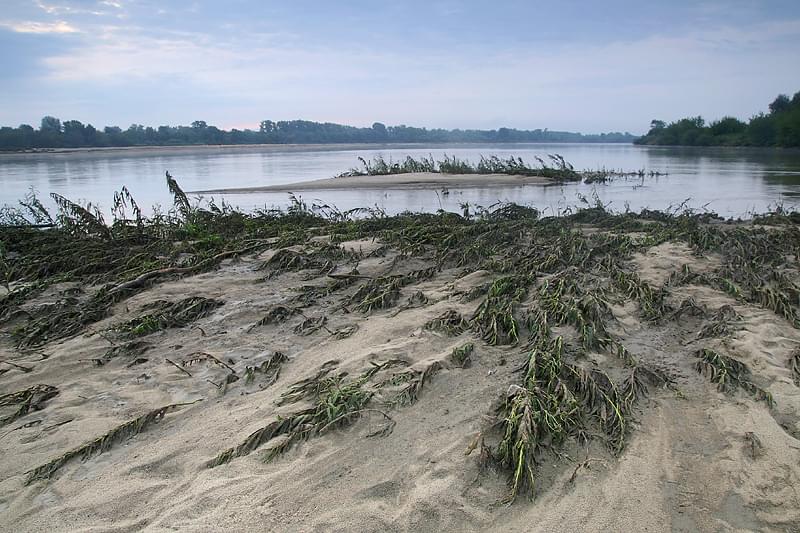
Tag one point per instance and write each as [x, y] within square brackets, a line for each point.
[53, 133]
[780, 127]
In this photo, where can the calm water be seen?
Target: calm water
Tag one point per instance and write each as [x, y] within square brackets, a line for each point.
[732, 182]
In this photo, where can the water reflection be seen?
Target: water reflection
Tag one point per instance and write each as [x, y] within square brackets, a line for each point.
[730, 181]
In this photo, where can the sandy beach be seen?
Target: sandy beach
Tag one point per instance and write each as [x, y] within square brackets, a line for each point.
[414, 180]
[695, 459]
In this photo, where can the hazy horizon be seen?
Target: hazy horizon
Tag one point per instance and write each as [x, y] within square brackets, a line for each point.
[439, 64]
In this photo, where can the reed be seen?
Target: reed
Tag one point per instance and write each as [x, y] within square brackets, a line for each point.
[556, 168]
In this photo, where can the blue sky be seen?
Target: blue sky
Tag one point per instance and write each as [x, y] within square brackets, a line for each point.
[569, 65]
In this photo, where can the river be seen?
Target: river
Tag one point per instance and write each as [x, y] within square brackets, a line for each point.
[733, 182]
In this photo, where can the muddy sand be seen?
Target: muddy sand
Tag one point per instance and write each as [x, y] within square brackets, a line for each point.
[695, 458]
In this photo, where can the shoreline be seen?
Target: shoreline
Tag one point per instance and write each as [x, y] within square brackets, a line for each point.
[197, 148]
[413, 180]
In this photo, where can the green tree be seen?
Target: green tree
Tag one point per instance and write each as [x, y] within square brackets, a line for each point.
[50, 125]
[380, 131]
[780, 104]
[73, 134]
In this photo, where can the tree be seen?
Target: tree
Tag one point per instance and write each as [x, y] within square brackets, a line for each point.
[727, 126]
[781, 127]
[73, 134]
[761, 130]
[50, 125]
[91, 136]
[780, 104]
[114, 135]
[380, 131]
[503, 135]
[73, 126]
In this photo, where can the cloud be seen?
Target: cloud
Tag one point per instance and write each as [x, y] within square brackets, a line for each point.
[116, 55]
[40, 27]
[53, 9]
[69, 9]
[228, 74]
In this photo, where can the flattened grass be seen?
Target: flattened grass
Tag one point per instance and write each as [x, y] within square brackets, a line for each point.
[169, 315]
[548, 273]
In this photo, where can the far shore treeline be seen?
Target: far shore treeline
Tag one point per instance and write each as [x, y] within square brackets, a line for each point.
[53, 133]
[779, 127]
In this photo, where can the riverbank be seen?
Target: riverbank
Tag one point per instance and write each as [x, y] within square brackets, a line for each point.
[134, 151]
[257, 148]
[294, 372]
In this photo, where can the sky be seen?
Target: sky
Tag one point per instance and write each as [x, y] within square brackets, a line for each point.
[569, 65]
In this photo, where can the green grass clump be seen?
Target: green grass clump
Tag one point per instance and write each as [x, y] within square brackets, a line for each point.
[18, 404]
[410, 384]
[779, 301]
[169, 315]
[794, 367]
[450, 323]
[383, 292]
[128, 350]
[102, 443]
[336, 402]
[729, 374]
[754, 260]
[494, 319]
[652, 302]
[275, 315]
[63, 319]
[587, 310]
[640, 378]
[722, 324]
[554, 403]
[311, 325]
[287, 260]
[308, 386]
[270, 368]
[380, 293]
[556, 169]
[461, 354]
